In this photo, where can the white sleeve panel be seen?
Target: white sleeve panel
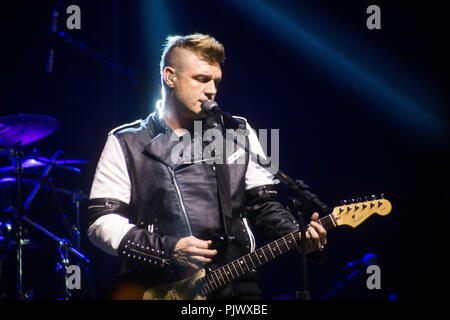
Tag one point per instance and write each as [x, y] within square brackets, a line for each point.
[111, 178]
[256, 175]
[107, 232]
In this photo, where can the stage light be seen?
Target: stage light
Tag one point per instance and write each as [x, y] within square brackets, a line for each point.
[156, 23]
[403, 108]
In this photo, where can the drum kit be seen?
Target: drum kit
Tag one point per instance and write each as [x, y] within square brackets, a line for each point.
[17, 131]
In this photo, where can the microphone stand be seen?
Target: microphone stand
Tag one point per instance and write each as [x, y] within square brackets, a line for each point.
[51, 53]
[299, 204]
[296, 206]
[304, 198]
[100, 57]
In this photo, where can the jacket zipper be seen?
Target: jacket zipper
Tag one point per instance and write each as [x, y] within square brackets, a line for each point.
[250, 234]
[174, 179]
[106, 205]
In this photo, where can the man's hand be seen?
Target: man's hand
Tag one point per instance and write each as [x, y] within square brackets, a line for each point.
[193, 252]
[316, 235]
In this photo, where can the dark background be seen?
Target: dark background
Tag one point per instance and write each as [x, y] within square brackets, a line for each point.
[377, 124]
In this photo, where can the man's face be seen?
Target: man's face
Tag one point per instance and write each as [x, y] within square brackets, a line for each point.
[196, 80]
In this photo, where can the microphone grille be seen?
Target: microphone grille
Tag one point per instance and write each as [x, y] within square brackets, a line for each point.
[208, 106]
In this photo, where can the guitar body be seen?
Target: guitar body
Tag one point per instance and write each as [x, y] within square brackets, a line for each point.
[130, 287]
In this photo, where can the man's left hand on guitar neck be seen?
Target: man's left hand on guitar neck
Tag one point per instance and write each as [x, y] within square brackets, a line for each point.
[316, 235]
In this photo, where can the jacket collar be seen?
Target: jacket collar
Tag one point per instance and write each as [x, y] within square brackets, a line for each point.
[161, 144]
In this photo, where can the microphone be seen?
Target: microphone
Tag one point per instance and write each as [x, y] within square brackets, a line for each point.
[210, 107]
[53, 33]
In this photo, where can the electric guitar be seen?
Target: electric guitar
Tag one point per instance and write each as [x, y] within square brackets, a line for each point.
[197, 285]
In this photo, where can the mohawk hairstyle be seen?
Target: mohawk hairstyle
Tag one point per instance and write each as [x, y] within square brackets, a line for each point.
[202, 44]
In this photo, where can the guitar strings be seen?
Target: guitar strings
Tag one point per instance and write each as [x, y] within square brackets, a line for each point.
[246, 259]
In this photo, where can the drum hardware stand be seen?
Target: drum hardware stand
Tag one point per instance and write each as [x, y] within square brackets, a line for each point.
[38, 185]
[76, 199]
[70, 229]
[46, 180]
[76, 196]
[65, 247]
[15, 156]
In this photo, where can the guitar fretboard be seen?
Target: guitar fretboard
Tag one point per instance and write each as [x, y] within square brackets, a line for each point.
[220, 277]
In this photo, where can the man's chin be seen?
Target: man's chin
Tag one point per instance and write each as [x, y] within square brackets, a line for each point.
[201, 115]
[198, 113]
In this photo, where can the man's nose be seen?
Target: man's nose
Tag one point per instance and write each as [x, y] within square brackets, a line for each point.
[210, 90]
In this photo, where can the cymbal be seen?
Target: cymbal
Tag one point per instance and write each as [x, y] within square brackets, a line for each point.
[40, 162]
[22, 129]
[7, 183]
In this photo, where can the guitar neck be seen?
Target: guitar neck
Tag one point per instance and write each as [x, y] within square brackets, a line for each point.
[220, 277]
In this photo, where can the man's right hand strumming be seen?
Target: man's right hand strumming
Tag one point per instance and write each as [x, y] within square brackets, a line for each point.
[193, 252]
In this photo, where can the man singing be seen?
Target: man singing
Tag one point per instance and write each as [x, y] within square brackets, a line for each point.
[164, 218]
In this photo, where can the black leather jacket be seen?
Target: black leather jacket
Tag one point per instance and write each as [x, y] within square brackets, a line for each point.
[170, 201]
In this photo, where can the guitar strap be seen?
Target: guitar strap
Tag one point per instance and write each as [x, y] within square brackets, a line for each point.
[223, 178]
[224, 191]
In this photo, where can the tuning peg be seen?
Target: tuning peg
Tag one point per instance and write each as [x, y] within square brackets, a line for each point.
[373, 197]
[366, 198]
[359, 199]
[353, 200]
[381, 195]
[343, 202]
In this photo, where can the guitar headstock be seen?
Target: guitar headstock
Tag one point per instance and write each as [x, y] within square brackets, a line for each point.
[354, 212]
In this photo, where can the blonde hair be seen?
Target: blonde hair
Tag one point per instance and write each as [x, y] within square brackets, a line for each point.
[202, 44]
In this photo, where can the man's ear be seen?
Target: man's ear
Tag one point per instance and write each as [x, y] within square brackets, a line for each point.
[169, 76]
